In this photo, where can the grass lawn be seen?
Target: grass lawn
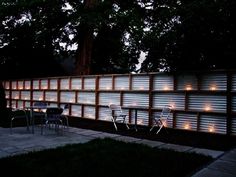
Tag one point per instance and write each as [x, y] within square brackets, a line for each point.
[103, 158]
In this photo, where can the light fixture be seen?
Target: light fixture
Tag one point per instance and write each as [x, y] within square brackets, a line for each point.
[187, 126]
[166, 88]
[188, 87]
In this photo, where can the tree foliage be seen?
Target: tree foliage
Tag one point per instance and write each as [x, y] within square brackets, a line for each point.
[174, 34]
[191, 35]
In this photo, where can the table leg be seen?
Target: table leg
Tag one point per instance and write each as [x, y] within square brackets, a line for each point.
[135, 119]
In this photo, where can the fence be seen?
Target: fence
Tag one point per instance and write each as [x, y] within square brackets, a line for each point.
[204, 102]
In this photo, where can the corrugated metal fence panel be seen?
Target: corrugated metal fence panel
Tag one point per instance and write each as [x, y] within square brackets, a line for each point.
[65, 83]
[14, 103]
[142, 117]
[7, 85]
[89, 83]
[27, 85]
[140, 82]
[67, 97]
[140, 99]
[20, 84]
[176, 100]
[7, 95]
[211, 103]
[233, 82]
[86, 97]
[27, 103]
[15, 94]
[163, 82]
[14, 85]
[76, 83]
[104, 114]
[106, 98]
[51, 96]
[35, 84]
[233, 126]
[8, 103]
[186, 121]
[121, 82]
[105, 83]
[25, 95]
[89, 112]
[233, 108]
[38, 95]
[53, 84]
[76, 110]
[20, 104]
[186, 82]
[214, 124]
[214, 82]
[44, 84]
[168, 123]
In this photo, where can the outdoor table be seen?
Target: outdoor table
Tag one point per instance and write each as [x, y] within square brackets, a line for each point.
[32, 121]
[136, 108]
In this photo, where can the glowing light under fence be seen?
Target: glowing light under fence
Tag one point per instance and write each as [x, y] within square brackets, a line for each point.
[211, 128]
[188, 87]
[140, 122]
[213, 87]
[134, 104]
[141, 88]
[44, 87]
[165, 123]
[207, 108]
[187, 126]
[166, 88]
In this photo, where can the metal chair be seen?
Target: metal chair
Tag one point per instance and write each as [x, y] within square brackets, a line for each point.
[53, 117]
[159, 120]
[18, 114]
[117, 115]
[64, 116]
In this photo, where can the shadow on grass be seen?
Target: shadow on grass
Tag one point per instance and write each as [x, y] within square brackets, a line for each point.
[105, 158]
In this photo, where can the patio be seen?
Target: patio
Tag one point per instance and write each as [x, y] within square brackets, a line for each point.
[22, 142]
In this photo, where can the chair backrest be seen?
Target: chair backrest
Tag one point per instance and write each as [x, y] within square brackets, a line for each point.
[54, 113]
[165, 113]
[116, 110]
[66, 109]
[41, 104]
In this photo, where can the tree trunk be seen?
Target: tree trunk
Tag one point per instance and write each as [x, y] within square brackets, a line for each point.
[83, 62]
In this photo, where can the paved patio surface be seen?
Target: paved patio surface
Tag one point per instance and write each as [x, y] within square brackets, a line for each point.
[21, 141]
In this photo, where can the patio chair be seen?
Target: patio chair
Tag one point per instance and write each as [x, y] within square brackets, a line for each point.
[18, 114]
[38, 112]
[64, 116]
[159, 120]
[117, 115]
[53, 118]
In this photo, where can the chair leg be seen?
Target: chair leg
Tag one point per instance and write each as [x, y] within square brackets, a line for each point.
[152, 128]
[115, 126]
[127, 126]
[11, 125]
[155, 124]
[161, 125]
[114, 123]
[159, 129]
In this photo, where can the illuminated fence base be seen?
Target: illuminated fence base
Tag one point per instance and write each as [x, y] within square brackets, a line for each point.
[203, 102]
